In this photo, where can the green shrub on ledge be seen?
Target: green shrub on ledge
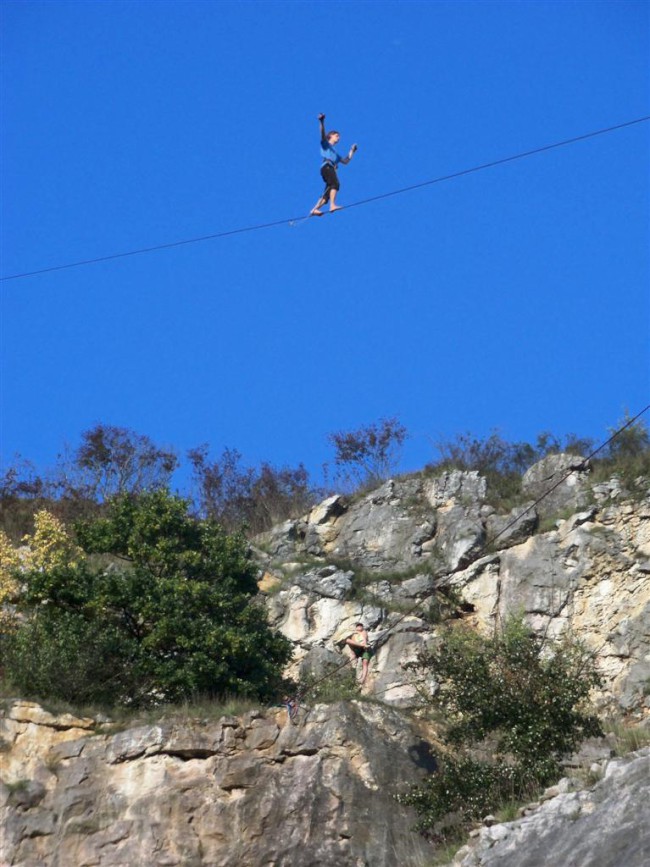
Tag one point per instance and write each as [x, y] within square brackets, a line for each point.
[514, 707]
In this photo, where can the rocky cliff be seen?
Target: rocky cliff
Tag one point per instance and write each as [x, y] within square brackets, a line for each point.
[255, 790]
[579, 563]
[602, 826]
[240, 791]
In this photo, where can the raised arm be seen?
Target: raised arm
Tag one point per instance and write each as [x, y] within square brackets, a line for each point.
[321, 121]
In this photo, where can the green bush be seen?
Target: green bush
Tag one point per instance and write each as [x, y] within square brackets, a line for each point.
[514, 707]
[63, 654]
[173, 616]
[462, 791]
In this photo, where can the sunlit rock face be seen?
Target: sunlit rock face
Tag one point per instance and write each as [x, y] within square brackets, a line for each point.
[583, 570]
[256, 790]
[249, 790]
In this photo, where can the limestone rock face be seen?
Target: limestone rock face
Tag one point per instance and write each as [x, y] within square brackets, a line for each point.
[606, 826]
[564, 476]
[256, 791]
[588, 578]
[588, 575]
[236, 792]
[393, 527]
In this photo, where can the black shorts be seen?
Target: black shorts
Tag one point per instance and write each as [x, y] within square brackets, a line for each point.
[331, 178]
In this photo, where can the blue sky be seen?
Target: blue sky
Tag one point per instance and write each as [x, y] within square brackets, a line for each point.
[516, 298]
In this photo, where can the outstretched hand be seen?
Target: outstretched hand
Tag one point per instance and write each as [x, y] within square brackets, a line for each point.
[354, 148]
[321, 117]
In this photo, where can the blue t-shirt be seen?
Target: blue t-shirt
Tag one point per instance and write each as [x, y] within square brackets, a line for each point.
[328, 153]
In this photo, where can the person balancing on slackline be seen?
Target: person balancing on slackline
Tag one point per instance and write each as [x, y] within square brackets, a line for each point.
[331, 159]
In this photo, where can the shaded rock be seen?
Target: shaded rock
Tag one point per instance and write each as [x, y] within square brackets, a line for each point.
[327, 581]
[317, 662]
[27, 795]
[389, 679]
[504, 531]
[606, 826]
[280, 542]
[567, 470]
[460, 535]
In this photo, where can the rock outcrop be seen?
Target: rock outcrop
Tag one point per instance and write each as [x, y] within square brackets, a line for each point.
[240, 791]
[605, 826]
[253, 790]
[577, 563]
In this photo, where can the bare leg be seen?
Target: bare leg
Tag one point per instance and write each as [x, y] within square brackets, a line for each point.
[333, 205]
[364, 672]
[315, 211]
[354, 659]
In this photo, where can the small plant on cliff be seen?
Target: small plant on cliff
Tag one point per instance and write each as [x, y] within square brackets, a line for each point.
[627, 456]
[367, 456]
[172, 617]
[514, 708]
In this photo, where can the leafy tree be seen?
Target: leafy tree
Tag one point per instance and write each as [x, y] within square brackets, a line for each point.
[160, 610]
[10, 564]
[51, 544]
[370, 454]
[246, 497]
[514, 707]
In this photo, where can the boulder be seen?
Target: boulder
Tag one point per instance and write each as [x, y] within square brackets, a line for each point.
[605, 826]
[455, 486]
[561, 479]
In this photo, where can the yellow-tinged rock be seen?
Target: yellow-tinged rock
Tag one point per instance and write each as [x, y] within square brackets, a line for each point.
[268, 582]
[30, 712]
